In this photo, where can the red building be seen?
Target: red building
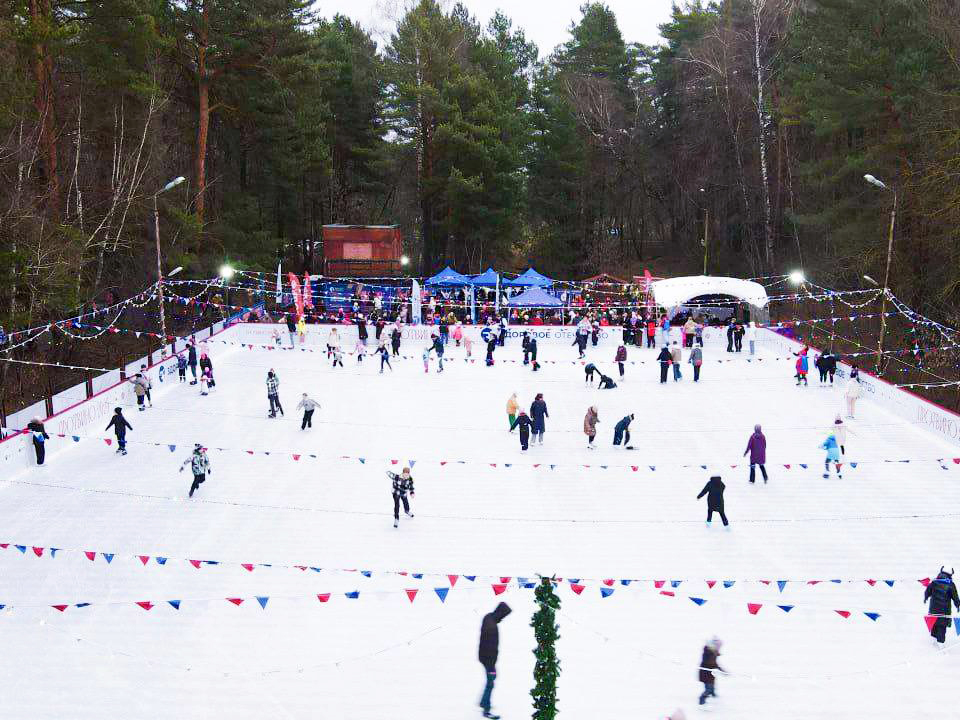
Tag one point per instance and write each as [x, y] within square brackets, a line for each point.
[362, 250]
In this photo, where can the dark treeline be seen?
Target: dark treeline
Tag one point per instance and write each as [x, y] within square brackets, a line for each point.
[751, 127]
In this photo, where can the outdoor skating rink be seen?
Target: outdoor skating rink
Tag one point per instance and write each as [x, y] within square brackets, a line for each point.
[633, 654]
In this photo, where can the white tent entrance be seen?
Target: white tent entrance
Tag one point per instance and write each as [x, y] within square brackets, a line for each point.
[673, 294]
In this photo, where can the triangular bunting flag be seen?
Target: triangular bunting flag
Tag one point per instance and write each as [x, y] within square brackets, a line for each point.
[418, 576]
[889, 582]
[366, 573]
[625, 582]
[606, 592]
[411, 594]
[504, 580]
[785, 608]
[498, 589]
[296, 457]
[91, 556]
[21, 548]
[659, 583]
[247, 566]
[608, 582]
[711, 583]
[236, 601]
[353, 595]
[175, 604]
[161, 560]
[173, 448]
[442, 593]
[754, 608]
[729, 583]
[843, 613]
[263, 601]
[675, 583]
[698, 601]
[668, 593]
[145, 604]
[323, 597]
[931, 620]
[108, 441]
[781, 584]
[452, 579]
[471, 578]
[38, 551]
[144, 558]
[924, 582]
[576, 588]
[871, 583]
[872, 615]
[108, 557]
[956, 625]
[61, 608]
[195, 563]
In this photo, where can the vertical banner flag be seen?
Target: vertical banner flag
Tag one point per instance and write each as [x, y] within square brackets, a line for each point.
[307, 291]
[647, 289]
[415, 303]
[297, 295]
[496, 301]
[279, 286]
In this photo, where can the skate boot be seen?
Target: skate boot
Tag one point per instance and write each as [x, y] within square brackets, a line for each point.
[396, 523]
[409, 514]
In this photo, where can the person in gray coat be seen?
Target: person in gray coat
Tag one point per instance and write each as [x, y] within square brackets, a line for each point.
[309, 405]
[696, 359]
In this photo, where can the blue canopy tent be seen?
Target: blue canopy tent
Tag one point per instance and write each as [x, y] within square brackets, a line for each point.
[534, 297]
[531, 278]
[488, 279]
[448, 277]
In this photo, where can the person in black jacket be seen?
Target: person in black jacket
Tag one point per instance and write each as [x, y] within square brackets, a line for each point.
[292, 329]
[402, 484]
[730, 331]
[524, 422]
[362, 329]
[491, 346]
[120, 426]
[192, 361]
[606, 383]
[621, 431]
[395, 341]
[829, 361]
[538, 413]
[664, 358]
[438, 348]
[525, 344]
[533, 354]
[40, 436]
[714, 492]
[489, 650]
[589, 369]
[941, 593]
[708, 663]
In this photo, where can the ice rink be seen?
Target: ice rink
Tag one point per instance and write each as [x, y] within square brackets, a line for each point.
[486, 510]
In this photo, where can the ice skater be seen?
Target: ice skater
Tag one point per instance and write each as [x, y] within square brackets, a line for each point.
[273, 393]
[589, 369]
[708, 663]
[489, 650]
[606, 383]
[525, 344]
[512, 405]
[39, 438]
[139, 389]
[802, 367]
[676, 356]
[523, 422]
[333, 341]
[664, 358]
[830, 364]
[833, 456]
[437, 347]
[714, 492]
[539, 414]
[402, 484]
[147, 383]
[851, 395]
[491, 346]
[192, 360]
[590, 421]
[757, 447]
[621, 432]
[621, 358]
[696, 359]
[941, 592]
[309, 405]
[394, 341]
[120, 426]
[384, 355]
[182, 368]
[533, 355]
[839, 430]
[199, 465]
[206, 380]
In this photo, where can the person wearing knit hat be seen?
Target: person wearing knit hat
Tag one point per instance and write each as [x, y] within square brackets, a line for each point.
[402, 484]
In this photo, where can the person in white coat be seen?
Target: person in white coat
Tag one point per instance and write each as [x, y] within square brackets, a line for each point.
[839, 430]
[851, 395]
[750, 335]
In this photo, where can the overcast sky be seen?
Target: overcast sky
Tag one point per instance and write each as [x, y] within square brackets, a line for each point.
[545, 22]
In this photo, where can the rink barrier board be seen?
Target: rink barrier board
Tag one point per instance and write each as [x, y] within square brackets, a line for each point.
[16, 450]
[909, 406]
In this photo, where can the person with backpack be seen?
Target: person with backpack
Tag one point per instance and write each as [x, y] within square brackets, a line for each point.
[199, 465]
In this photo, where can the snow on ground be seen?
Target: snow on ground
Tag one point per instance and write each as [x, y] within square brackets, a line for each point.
[633, 654]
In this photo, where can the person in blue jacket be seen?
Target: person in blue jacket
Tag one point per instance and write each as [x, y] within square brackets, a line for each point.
[438, 347]
[833, 456]
[621, 431]
[120, 426]
[538, 412]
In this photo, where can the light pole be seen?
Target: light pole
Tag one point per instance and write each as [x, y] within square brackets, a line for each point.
[886, 278]
[156, 234]
[798, 279]
[706, 234]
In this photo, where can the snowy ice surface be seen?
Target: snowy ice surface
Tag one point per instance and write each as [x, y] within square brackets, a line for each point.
[632, 655]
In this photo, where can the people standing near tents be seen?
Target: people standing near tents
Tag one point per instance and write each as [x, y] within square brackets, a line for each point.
[120, 426]
[665, 330]
[651, 333]
[714, 492]
[943, 597]
[395, 340]
[738, 337]
[664, 358]
[689, 331]
[750, 335]
[731, 324]
[512, 406]
[696, 359]
[39, 437]
[590, 421]
[539, 415]
[620, 358]
[851, 395]
[757, 447]
[524, 422]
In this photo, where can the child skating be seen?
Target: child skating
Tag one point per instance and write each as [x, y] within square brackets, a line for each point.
[402, 484]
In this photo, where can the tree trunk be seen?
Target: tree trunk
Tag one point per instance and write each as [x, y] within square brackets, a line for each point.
[203, 117]
[762, 142]
[41, 17]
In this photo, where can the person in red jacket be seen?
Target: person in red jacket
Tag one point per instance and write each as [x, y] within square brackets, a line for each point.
[651, 334]
[620, 359]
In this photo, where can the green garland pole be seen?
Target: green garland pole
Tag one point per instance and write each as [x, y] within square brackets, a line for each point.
[547, 668]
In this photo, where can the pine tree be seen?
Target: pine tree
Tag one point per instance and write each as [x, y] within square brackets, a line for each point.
[547, 668]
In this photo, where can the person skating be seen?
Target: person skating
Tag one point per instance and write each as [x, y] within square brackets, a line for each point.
[833, 455]
[333, 342]
[664, 358]
[120, 426]
[738, 338]
[525, 344]
[830, 363]
[182, 368]
[273, 393]
[606, 383]
[696, 359]
[750, 335]
[488, 652]
[533, 354]
[620, 358]
[757, 447]
[39, 437]
[689, 332]
[438, 348]
[821, 369]
[362, 329]
[206, 380]
[708, 663]
[589, 369]
[590, 421]
[943, 597]
[394, 342]
[594, 333]
[192, 361]
[384, 355]
[539, 415]
[523, 422]
[402, 484]
[714, 492]
[309, 405]
[802, 367]
[851, 395]
[292, 329]
[651, 334]
[199, 465]
[139, 389]
[730, 331]
[676, 356]
[491, 346]
[839, 430]
[621, 432]
[147, 383]
[206, 363]
[512, 406]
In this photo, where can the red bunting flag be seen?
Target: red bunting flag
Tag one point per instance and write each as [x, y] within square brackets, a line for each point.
[659, 583]
[754, 608]
[195, 563]
[765, 582]
[843, 613]
[144, 558]
[497, 589]
[813, 582]
[411, 594]
[931, 620]
[145, 604]
[576, 588]
[62, 608]
[608, 582]
[38, 551]
[91, 556]
[871, 582]
[247, 566]
[924, 582]
[236, 601]
[668, 593]
[296, 457]
[452, 579]
[634, 467]
[711, 583]
[323, 597]
[108, 441]
[504, 579]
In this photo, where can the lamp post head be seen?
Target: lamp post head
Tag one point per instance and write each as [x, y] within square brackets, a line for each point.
[172, 184]
[797, 277]
[227, 271]
[404, 260]
[873, 181]
[176, 270]
[871, 280]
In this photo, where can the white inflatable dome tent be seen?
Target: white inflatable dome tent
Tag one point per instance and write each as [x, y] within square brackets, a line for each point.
[673, 293]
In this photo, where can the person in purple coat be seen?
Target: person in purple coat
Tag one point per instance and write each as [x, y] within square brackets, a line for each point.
[757, 447]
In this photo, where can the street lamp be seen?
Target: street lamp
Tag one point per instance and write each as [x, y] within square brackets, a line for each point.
[404, 260]
[886, 278]
[706, 233]
[227, 271]
[797, 277]
[156, 233]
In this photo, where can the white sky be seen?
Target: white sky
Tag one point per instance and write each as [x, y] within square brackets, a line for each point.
[545, 22]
